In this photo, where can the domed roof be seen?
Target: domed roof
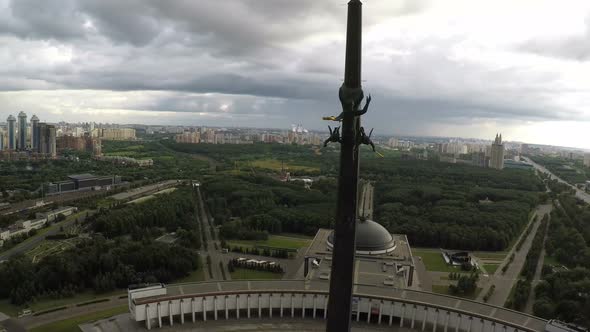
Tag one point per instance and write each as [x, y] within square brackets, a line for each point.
[370, 237]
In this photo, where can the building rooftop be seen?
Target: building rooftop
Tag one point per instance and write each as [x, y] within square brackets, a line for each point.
[378, 267]
[370, 237]
[80, 177]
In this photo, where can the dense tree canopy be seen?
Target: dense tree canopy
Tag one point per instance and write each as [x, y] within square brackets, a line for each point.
[97, 264]
[438, 204]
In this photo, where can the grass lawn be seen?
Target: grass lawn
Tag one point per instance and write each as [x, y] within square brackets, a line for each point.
[195, 276]
[254, 274]
[71, 324]
[549, 260]
[442, 289]
[491, 255]
[105, 202]
[434, 261]
[8, 308]
[277, 241]
[491, 268]
[277, 165]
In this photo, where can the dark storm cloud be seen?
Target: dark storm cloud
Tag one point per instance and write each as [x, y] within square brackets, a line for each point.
[276, 57]
[43, 19]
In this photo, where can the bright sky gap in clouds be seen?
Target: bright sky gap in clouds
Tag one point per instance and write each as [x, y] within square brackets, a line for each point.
[440, 68]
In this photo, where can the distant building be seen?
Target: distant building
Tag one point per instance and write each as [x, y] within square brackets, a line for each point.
[83, 182]
[480, 159]
[84, 143]
[22, 131]
[127, 160]
[587, 160]
[11, 132]
[47, 140]
[35, 133]
[497, 153]
[25, 226]
[117, 134]
[188, 137]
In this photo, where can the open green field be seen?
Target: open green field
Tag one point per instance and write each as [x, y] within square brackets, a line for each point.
[491, 268]
[254, 274]
[195, 276]
[434, 261]
[490, 255]
[277, 165]
[71, 325]
[443, 289]
[277, 241]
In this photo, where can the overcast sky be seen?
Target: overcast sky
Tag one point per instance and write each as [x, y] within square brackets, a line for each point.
[440, 68]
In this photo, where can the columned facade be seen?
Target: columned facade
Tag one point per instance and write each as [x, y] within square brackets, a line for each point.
[312, 305]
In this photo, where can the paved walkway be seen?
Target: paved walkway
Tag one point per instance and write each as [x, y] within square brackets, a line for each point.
[505, 282]
[124, 323]
[208, 226]
[536, 279]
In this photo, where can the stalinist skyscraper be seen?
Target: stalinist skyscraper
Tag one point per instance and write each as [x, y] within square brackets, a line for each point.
[497, 160]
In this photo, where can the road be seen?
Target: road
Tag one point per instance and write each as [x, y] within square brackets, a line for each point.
[505, 282]
[579, 193]
[208, 226]
[537, 277]
[34, 241]
[72, 310]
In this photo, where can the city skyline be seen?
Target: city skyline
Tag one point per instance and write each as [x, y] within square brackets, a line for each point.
[469, 69]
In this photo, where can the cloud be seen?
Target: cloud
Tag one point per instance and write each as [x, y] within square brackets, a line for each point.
[428, 65]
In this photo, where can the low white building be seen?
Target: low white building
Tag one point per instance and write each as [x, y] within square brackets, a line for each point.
[25, 226]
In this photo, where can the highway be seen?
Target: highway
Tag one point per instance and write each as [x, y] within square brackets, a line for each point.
[579, 193]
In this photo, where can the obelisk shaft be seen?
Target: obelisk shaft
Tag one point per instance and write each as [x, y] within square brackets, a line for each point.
[342, 274]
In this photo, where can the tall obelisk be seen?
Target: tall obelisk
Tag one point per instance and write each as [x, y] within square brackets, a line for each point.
[351, 95]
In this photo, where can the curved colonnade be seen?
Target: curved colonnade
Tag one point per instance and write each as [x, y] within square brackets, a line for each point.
[159, 306]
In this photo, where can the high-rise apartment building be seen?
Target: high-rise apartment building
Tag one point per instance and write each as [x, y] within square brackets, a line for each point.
[497, 153]
[47, 140]
[35, 133]
[11, 132]
[22, 131]
[587, 160]
[117, 133]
